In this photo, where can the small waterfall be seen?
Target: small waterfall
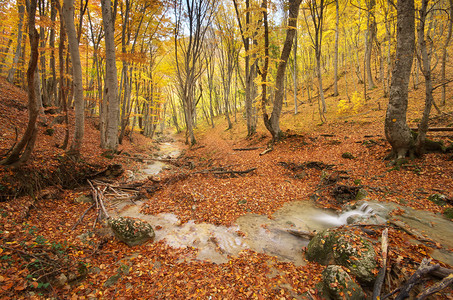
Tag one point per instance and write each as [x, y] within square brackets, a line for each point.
[341, 219]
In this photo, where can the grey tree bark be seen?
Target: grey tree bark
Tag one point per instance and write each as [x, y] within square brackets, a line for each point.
[77, 80]
[371, 36]
[111, 80]
[425, 68]
[197, 17]
[444, 53]
[295, 74]
[23, 149]
[250, 69]
[335, 61]
[317, 17]
[17, 54]
[396, 130]
[272, 123]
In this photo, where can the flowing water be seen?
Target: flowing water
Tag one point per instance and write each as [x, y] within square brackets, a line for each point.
[166, 150]
[251, 231]
[270, 235]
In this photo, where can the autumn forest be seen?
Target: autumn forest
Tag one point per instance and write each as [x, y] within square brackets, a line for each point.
[226, 149]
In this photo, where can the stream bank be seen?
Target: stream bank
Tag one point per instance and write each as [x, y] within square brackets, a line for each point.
[269, 235]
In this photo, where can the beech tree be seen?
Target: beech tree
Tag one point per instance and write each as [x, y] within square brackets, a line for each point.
[397, 132]
[317, 19]
[68, 15]
[17, 54]
[193, 19]
[272, 123]
[109, 138]
[22, 150]
[248, 31]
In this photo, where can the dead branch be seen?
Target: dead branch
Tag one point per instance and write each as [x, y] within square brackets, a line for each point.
[233, 173]
[438, 286]
[442, 272]
[302, 233]
[424, 269]
[306, 165]
[403, 226]
[98, 197]
[435, 129]
[82, 216]
[246, 149]
[381, 275]
[266, 151]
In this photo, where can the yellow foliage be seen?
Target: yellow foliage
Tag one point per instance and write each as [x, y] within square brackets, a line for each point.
[356, 103]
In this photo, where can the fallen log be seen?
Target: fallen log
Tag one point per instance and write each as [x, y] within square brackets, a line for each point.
[381, 275]
[435, 129]
[422, 270]
[438, 286]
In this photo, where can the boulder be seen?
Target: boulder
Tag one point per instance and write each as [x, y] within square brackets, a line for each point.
[131, 231]
[339, 285]
[346, 249]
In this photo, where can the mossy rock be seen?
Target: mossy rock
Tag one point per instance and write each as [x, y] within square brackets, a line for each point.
[339, 285]
[448, 212]
[361, 194]
[131, 231]
[346, 249]
[438, 199]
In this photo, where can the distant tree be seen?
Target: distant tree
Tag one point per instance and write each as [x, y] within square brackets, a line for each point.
[248, 31]
[337, 34]
[17, 54]
[22, 150]
[228, 55]
[193, 19]
[397, 132]
[317, 19]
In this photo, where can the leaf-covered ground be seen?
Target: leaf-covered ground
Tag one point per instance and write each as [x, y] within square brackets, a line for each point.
[38, 244]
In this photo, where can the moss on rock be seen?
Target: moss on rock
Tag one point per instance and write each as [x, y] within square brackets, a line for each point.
[131, 231]
[339, 285]
[346, 249]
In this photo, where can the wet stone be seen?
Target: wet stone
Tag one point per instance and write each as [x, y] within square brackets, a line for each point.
[131, 231]
[339, 285]
[346, 249]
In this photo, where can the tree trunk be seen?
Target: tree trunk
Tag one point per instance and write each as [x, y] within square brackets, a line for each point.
[396, 130]
[295, 73]
[68, 15]
[26, 144]
[444, 53]
[371, 35]
[53, 81]
[273, 123]
[335, 61]
[111, 79]
[11, 72]
[425, 67]
[250, 70]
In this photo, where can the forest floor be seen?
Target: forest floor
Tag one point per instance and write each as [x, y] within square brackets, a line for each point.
[42, 240]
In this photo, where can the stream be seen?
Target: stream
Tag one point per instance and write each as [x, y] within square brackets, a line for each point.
[270, 235]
